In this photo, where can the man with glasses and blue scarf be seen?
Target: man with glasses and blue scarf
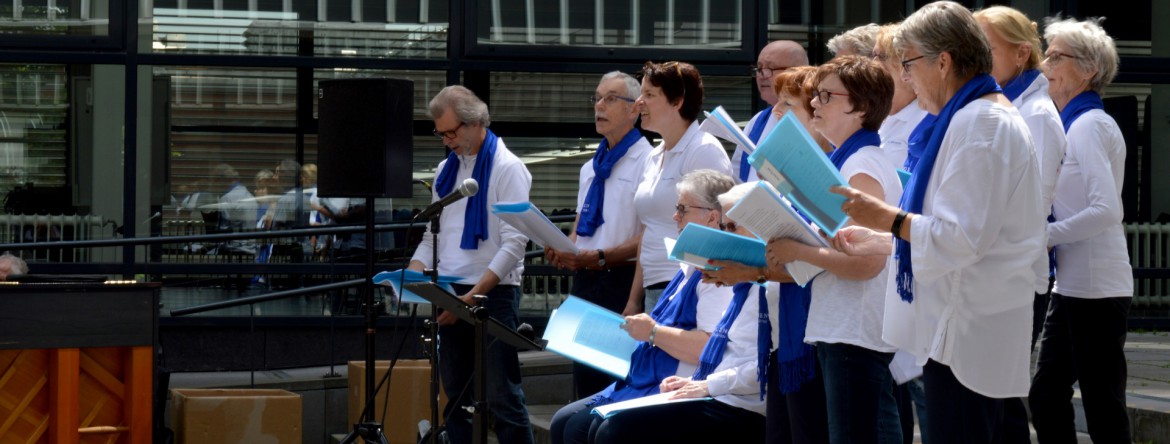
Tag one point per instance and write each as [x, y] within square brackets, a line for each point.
[775, 57]
[486, 253]
[606, 232]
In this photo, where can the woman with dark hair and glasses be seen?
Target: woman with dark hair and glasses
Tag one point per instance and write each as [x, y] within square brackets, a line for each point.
[852, 96]
[967, 231]
[671, 100]
[1084, 331]
[673, 337]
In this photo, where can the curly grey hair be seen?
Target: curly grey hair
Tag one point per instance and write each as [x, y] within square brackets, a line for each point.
[467, 106]
[857, 41]
[705, 185]
[1093, 47]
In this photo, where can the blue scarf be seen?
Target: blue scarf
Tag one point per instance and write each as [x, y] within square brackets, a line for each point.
[603, 163]
[475, 216]
[916, 143]
[1016, 86]
[794, 358]
[1082, 103]
[915, 192]
[713, 351]
[861, 138]
[650, 365]
[754, 135]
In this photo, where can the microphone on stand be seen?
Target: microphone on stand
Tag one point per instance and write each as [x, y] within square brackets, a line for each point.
[466, 189]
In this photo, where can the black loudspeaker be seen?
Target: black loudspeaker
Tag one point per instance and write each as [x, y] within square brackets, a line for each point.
[365, 144]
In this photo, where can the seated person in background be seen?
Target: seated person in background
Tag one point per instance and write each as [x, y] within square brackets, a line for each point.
[674, 333]
[11, 266]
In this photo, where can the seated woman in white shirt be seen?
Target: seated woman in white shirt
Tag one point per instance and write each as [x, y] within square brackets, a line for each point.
[674, 333]
[728, 372]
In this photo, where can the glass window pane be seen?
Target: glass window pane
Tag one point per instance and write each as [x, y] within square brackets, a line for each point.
[56, 17]
[414, 29]
[677, 23]
[249, 97]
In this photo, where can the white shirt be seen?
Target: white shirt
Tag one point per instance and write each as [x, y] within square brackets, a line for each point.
[974, 244]
[709, 309]
[656, 196]
[733, 382]
[846, 311]
[896, 129]
[503, 251]
[769, 122]
[1091, 255]
[620, 223]
[1047, 131]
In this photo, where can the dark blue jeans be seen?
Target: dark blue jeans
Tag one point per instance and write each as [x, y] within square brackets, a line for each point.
[859, 394]
[798, 417]
[457, 365]
[958, 415]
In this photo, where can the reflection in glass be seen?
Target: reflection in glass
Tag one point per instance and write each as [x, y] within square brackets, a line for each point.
[57, 17]
[334, 28]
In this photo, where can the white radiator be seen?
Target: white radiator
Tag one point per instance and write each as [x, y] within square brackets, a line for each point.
[1149, 247]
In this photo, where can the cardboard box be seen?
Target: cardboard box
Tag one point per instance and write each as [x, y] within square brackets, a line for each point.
[204, 416]
[410, 388]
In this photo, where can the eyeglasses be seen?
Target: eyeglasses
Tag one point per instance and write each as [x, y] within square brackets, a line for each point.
[825, 95]
[608, 99]
[451, 134]
[1057, 56]
[906, 63]
[681, 209]
[729, 227]
[767, 72]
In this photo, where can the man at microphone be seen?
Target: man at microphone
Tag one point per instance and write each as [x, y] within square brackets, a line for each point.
[485, 253]
[606, 232]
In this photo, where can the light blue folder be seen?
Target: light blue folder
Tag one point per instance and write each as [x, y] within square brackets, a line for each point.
[791, 161]
[588, 333]
[697, 243]
[404, 276]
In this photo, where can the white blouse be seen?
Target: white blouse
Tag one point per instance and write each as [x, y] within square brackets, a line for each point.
[973, 247]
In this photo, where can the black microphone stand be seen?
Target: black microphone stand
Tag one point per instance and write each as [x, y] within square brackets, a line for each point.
[433, 330]
[369, 429]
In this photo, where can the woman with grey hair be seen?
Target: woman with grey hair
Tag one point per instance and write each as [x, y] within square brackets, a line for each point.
[672, 354]
[1085, 328]
[858, 41]
[963, 271]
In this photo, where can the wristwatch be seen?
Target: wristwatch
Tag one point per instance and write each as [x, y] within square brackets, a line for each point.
[601, 258]
[762, 277]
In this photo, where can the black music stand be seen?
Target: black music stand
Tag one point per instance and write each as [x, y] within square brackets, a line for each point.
[484, 325]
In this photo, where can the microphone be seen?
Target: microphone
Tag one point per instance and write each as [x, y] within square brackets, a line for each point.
[525, 330]
[466, 189]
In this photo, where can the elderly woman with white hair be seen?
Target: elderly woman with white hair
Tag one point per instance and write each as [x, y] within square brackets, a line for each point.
[1084, 331]
[967, 230]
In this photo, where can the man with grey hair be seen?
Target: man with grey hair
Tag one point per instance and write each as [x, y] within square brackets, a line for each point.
[11, 266]
[775, 57]
[858, 41]
[606, 232]
[486, 254]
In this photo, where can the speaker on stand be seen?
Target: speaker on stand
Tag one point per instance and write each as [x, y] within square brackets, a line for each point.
[365, 149]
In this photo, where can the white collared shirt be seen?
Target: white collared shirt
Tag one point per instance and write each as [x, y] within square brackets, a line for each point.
[503, 251]
[769, 123]
[972, 252]
[1048, 138]
[656, 196]
[896, 129]
[620, 223]
[1091, 255]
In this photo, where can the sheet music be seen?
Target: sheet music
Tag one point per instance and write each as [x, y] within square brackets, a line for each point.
[795, 165]
[696, 244]
[608, 410]
[721, 125]
[765, 213]
[590, 334]
[534, 224]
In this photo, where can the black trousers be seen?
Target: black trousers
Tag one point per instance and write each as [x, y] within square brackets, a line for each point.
[958, 415]
[800, 417]
[708, 421]
[610, 289]
[1083, 342]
